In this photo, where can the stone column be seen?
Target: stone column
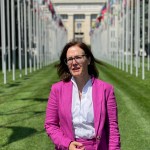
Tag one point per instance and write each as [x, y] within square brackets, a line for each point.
[87, 28]
[70, 27]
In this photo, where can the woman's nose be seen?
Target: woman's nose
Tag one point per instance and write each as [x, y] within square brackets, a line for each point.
[74, 61]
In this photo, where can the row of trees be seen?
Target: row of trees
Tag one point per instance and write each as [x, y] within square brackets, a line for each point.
[31, 36]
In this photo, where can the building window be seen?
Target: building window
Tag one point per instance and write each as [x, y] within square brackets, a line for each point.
[93, 16]
[64, 16]
[79, 16]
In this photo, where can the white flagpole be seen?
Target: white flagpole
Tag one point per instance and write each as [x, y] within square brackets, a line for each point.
[131, 63]
[143, 41]
[41, 39]
[8, 36]
[45, 43]
[19, 38]
[120, 34]
[29, 35]
[2, 61]
[148, 59]
[37, 35]
[34, 35]
[25, 38]
[137, 33]
[22, 35]
[3, 38]
[117, 35]
[123, 38]
[13, 40]
[127, 33]
[108, 28]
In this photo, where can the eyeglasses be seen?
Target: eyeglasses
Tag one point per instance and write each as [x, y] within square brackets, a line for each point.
[78, 59]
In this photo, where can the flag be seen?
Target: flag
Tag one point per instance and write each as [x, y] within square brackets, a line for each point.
[60, 22]
[102, 13]
[124, 3]
[52, 10]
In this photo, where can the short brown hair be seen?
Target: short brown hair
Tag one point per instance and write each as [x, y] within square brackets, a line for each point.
[62, 68]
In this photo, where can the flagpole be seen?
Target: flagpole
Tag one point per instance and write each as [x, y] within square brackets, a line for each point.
[21, 33]
[37, 35]
[47, 48]
[131, 65]
[3, 38]
[123, 43]
[45, 43]
[34, 35]
[108, 40]
[19, 38]
[136, 39]
[138, 35]
[143, 41]
[120, 42]
[29, 35]
[117, 35]
[148, 59]
[2, 26]
[8, 36]
[127, 33]
[39, 39]
[13, 40]
[25, 37]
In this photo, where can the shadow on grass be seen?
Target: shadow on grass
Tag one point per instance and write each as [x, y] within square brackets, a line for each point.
[32, 114]
[36, 99]
[19, 133]
[14, 84]
[26, 78]
[26, 99]
[25, 112]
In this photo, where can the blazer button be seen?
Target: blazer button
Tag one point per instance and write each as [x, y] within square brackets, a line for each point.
[98, 138]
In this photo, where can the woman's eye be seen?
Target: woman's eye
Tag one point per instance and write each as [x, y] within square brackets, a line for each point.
[69, 59]
[78, 57]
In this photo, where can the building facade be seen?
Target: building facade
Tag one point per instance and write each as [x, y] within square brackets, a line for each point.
[78, 16]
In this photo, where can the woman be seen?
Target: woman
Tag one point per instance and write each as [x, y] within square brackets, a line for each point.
[81, 112]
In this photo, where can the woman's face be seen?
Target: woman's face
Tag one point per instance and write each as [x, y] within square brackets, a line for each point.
[77, 62]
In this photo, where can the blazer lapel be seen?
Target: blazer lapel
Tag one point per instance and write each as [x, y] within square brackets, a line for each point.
[67, 96]
[97, 95]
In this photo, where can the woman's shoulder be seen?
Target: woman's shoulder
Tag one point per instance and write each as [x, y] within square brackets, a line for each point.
[104, 83]
[59, 84]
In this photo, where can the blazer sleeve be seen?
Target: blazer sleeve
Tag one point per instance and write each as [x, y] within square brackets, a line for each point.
[52, 121]
[112, 121]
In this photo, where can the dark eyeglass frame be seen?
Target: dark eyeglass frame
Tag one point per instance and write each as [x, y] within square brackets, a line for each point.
[73, 58]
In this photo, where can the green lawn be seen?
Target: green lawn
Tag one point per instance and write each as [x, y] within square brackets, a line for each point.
[133, 99]
[23, 103]
[22, 111]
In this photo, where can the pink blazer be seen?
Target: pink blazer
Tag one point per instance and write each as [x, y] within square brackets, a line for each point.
[58, 122]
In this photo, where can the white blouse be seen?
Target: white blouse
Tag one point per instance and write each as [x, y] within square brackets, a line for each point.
[82, 111]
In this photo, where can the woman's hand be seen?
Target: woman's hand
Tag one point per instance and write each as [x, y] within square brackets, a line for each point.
[76, 146]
